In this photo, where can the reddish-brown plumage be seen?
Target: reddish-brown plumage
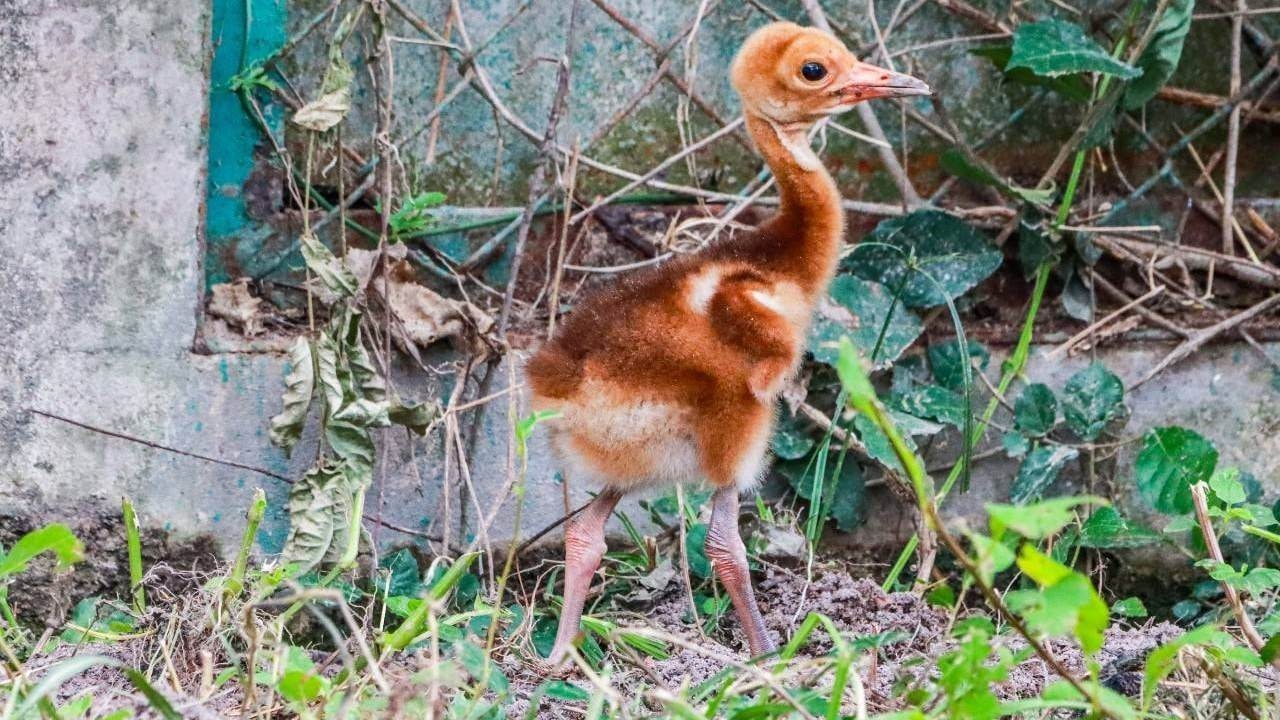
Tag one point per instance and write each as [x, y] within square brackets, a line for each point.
[672, 374]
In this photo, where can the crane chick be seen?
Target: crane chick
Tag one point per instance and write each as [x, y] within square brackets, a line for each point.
[672, 375]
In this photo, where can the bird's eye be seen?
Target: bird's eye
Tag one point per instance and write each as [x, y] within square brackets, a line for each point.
[813, 72]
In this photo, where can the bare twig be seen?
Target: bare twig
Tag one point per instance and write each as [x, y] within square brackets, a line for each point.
[1233, 139]
[1150, 316]
[656, 169]
[1106, 320]
[158, 446]
[544, 149]
[820, 419]
[664, 67]
[1199, 498]
[1195, 258]
[1166, 167]
[1194, 98]
[1200, 337]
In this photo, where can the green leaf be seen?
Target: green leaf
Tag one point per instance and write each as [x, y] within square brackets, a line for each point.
[1076, 297]
[878, 445]
[946, 360]
[1035, 246]
[53, 538]
[416, 622]
[404, 578]
[480, 667]
[353, 443]
[1164, 659]
[1116, 705]
[1036, 410]
[1041, 568]
[1254, 581]
[1129, 608]
[853, 375]
[319, 515]
[1106, 528]
[412, 217]
[1271, 649]
[1072, 87]
[402, 606]
[858, 309]
[300, 683]
[1227, 487]
[1068, 604]
[954, 162]
[991, 556]
[1091, 399]
[843, 496]
[848, 502]
[1033, 195]
[1051, 48]
[417, 417]
[933, 402]
[361, 379]
[1038, 520]
[790, 440]
[1173, 459]
[76, 708]
[300, 686]
[931, 255]
[333, 272]
[1038, 471]
[353, 390]
[300, 385]
[525, 428]
[1015, 444]
[1160, 59]
[695, 541]
[85, 615]
[564, 691]
[968, 675]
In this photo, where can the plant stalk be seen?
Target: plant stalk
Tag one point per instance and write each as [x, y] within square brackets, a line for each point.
[134, 540]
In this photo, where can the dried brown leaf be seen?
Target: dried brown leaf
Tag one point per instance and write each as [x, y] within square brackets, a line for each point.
[420, 315]
[234, 303]
[325, 111]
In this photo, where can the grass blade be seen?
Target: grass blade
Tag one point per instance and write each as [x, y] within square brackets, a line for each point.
[134, 540]
[67, 669]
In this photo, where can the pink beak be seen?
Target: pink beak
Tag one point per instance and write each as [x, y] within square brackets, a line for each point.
[868, 82]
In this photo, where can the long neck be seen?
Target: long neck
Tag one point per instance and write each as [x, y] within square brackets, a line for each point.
[808, 230]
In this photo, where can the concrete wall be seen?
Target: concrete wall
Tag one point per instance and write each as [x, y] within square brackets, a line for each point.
[102, 166]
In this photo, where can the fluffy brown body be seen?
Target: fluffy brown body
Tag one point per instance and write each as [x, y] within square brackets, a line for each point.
[672, 374]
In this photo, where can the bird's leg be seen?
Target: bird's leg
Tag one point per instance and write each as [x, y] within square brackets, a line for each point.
[729, 557]
[584, 546]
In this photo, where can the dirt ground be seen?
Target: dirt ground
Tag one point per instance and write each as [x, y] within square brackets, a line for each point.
[857, 606]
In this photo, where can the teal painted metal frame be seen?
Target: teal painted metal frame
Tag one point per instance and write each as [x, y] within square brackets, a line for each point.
[245, 34]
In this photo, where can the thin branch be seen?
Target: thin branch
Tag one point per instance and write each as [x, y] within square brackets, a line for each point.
[1209, 101]
[1195, 258]
[1198, 497]
[158, 446]
[1200, 337]
[1107, 320]
[1233, 140]
[558, 105]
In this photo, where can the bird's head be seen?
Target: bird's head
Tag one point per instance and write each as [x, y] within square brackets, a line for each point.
[794, 76]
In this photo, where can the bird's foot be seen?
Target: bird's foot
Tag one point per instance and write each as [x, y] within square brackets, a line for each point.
[558, 666]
